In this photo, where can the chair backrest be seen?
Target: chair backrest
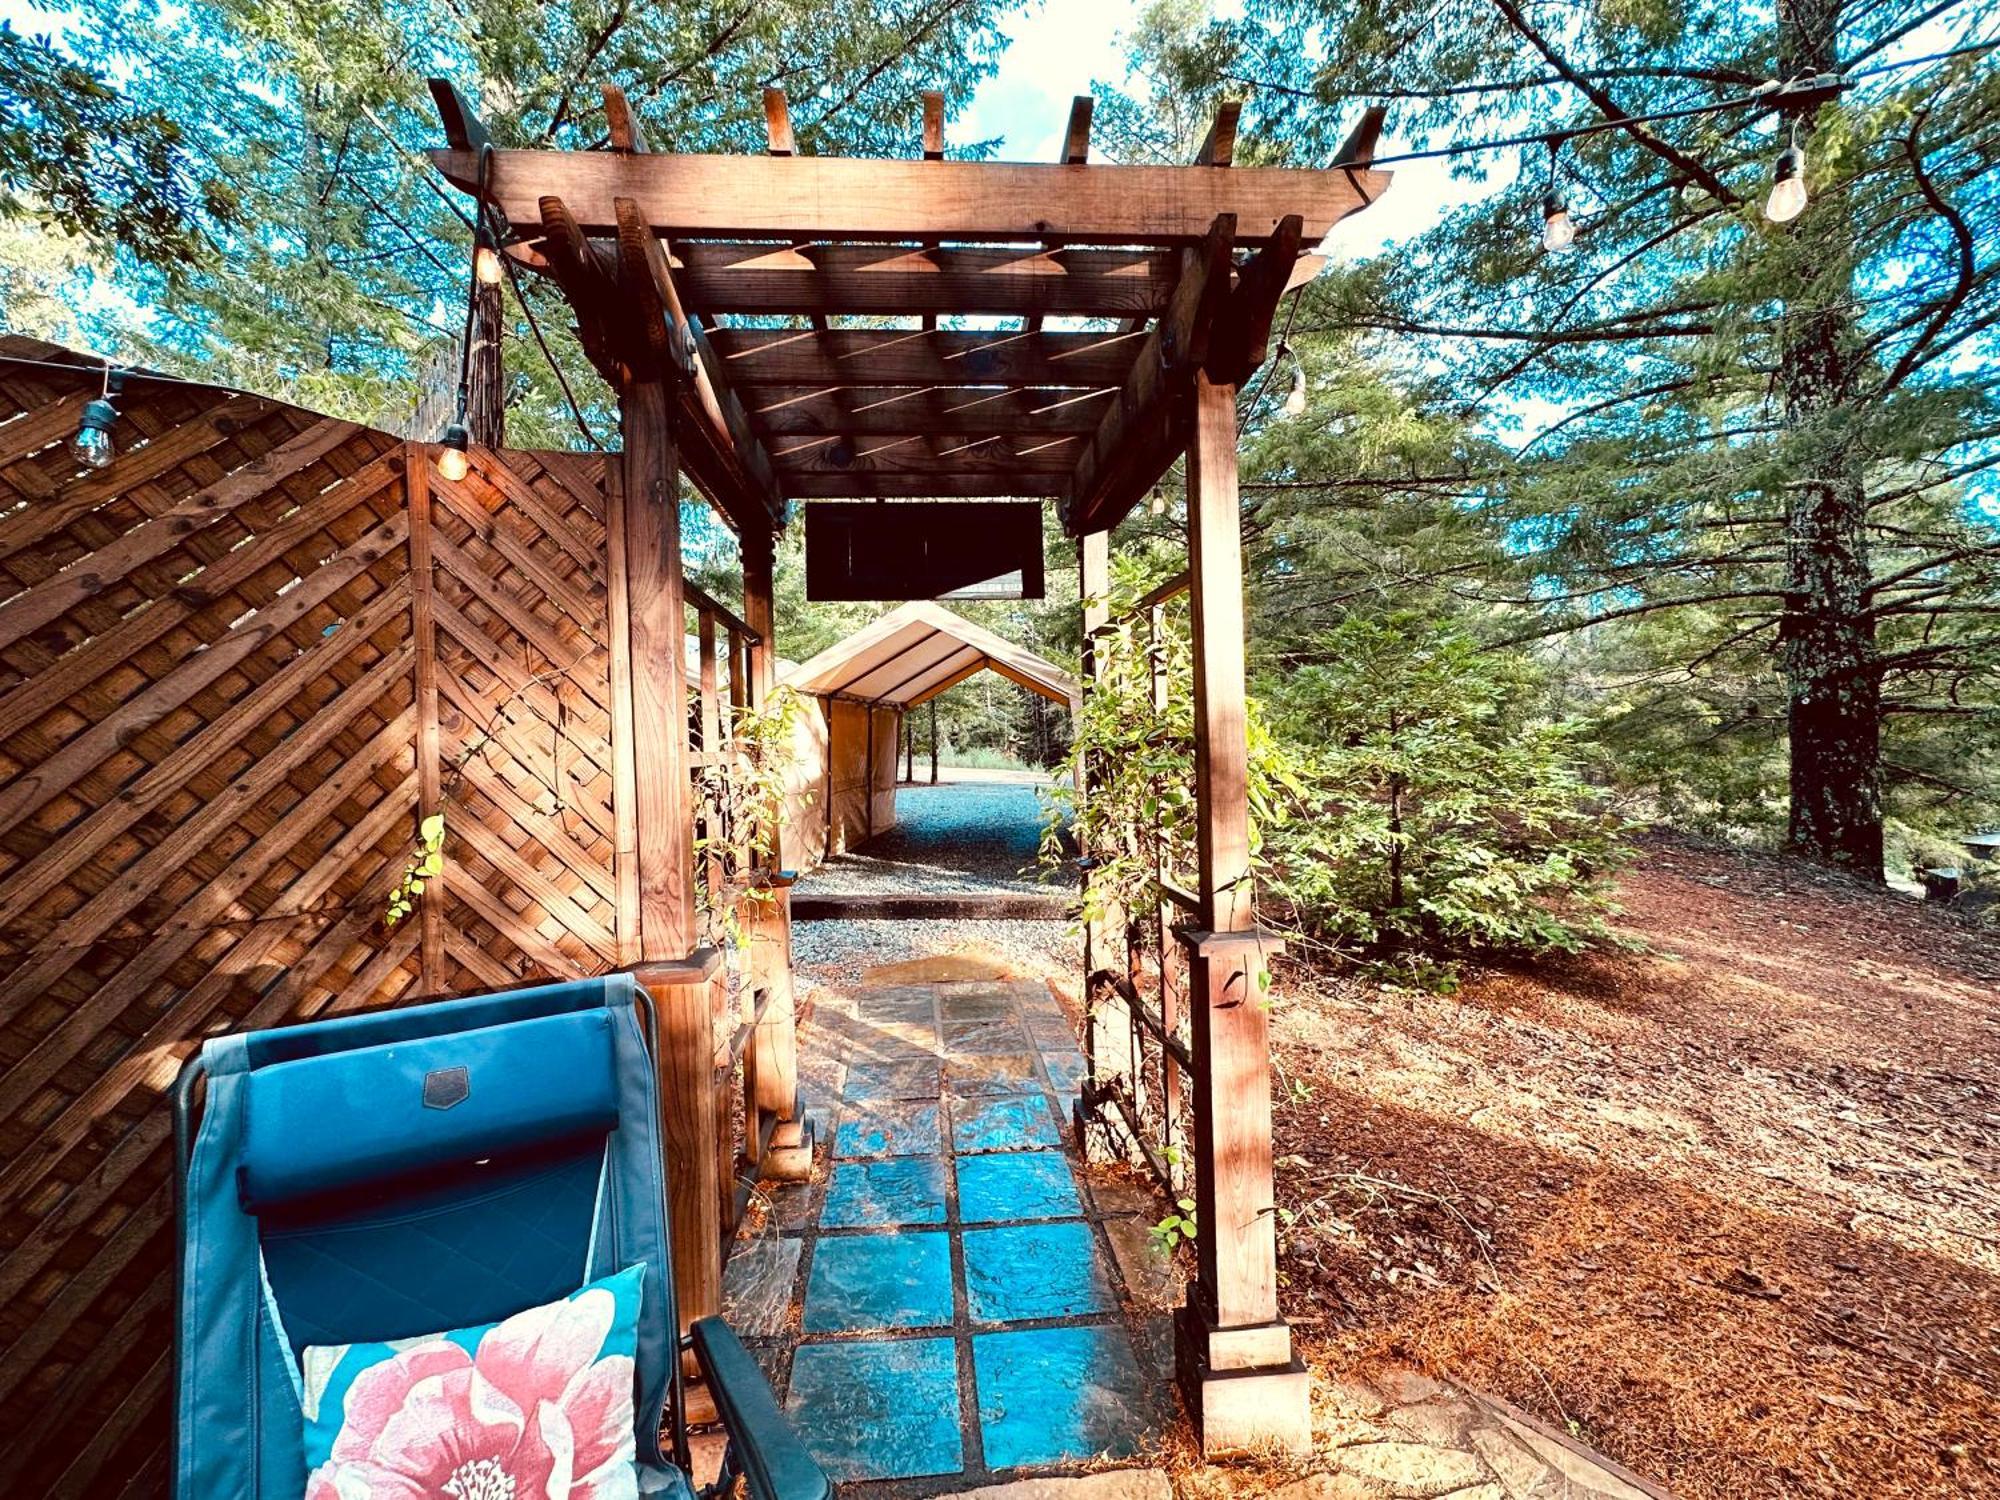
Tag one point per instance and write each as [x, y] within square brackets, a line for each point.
[383, 1176]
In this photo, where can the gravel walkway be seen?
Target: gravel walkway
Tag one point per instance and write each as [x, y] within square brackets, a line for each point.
[959, 836]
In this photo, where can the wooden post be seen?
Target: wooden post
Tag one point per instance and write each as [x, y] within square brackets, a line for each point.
[775, 1044]
[485, 371]
[684, 1004]
[934, 746]
[1244, 1386]
[430, 770]
[646, 589]
[656, 608]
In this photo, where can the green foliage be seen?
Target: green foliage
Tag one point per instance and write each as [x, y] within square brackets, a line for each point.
[79, 157]
[424, 866]
[1441, 812]
[1176, 1229]
[741, 811]
[1408, 799]
[258, 172]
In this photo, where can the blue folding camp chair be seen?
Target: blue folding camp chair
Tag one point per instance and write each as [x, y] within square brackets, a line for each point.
[398, 1173]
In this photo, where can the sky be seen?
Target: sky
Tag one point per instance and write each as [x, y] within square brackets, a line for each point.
[1058, 48]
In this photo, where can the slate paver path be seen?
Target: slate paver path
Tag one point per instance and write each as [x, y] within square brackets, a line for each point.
[955, 1314]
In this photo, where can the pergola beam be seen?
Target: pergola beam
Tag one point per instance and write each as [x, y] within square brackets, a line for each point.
[1138, 438]
[831, 197]
[723, 277]
[894, 411]
[908, 357]
[966, 483]
[912, 454]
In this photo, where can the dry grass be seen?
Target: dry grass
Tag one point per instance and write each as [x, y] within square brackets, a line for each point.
[1727, 1208]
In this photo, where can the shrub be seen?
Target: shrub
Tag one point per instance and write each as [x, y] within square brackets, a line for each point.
[1440, 810]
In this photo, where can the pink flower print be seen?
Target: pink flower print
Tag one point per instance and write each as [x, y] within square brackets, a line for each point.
[532, 1415]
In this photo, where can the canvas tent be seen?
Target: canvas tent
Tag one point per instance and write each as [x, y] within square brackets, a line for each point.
[861, 688]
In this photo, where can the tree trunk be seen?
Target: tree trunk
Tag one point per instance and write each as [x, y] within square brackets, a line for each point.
[1828, 653]
[486, 380]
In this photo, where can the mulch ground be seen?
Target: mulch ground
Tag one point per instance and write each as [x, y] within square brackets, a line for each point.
[1728, 1207]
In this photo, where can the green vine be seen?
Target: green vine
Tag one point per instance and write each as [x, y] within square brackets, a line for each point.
[424, 865]
[741, 811]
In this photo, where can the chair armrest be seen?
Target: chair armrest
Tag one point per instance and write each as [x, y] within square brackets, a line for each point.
[775, 1464]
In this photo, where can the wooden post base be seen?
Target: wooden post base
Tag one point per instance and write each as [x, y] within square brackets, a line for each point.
[789, 1157]
[1245, 1390]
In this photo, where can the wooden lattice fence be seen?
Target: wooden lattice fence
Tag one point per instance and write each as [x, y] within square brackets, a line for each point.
[236, 667]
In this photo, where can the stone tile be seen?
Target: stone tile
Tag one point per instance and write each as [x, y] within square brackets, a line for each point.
[1515, 1467]
[1016, 1185]
[1126, 1195]
[1413, 1469]
[879, 1194]
[1149, 1273]
[1403, 1386]
[973, 1003]
[757, 1285]
[1018, 1272]
[894, 1003]
[1015, 1122]
[869, 1281]
[791, 1204]
[1057, 1395]
[1583, 1472]
[879, 1409]
[900, 1127]
[1067, 1070]
[1052, 1031]
[872, 1081]
[963, 1037]
[992, 1073]
[1446, 1424]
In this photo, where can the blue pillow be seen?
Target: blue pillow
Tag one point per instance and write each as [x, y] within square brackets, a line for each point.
[540, 1404]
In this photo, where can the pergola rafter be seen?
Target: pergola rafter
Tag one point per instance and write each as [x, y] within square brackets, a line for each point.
[1181, 267]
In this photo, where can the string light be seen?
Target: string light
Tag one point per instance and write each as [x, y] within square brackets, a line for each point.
[92, 446]
[1558, 229]
[452, 459]
[486, 257]
[1788, 182]
[1295, 398]
[1158, 504]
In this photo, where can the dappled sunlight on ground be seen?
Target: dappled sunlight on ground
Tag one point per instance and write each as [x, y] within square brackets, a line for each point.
[1728, 1205]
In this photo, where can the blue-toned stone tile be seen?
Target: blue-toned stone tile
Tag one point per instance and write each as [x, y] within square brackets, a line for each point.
[1066, 1069]
[862, 1282]
[893, 1128]
[992, 1073]
[879, 1409]
[1018, 1272]
[1057, 1395]
[1015, 1122]
[877, 1194]
[1016, 1185]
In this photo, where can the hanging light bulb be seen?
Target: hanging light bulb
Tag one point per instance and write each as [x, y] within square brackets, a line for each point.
[1295, 398]
[92, 445]
[452, 462]
[1788, 183]
[1558, 229]
[1158, 504]
[486, 264]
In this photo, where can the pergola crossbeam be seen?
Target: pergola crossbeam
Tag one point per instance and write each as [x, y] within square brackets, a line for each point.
[1138, 438]
[909, 357]
[843, 198]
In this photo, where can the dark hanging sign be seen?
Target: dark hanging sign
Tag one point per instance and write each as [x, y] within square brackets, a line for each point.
[883, 550]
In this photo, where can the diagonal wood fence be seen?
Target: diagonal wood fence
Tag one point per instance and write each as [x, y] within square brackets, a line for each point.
[237, 667]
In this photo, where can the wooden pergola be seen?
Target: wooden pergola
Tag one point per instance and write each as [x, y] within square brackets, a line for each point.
[790, 328]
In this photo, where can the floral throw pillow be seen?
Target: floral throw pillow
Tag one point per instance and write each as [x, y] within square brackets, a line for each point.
[538, 1407]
